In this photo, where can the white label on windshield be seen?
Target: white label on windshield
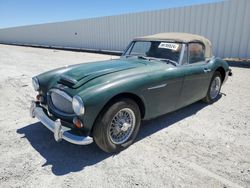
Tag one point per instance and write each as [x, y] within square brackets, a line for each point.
[171, 46]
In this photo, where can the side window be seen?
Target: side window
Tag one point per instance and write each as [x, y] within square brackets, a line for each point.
[196, 53]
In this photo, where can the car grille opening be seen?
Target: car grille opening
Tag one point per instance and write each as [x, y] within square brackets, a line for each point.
[61, 101]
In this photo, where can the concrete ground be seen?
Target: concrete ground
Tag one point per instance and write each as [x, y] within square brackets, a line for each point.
[198, 146]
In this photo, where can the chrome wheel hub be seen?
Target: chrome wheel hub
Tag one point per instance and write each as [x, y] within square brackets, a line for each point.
[215, 87]
[122, 126]
[125, 126]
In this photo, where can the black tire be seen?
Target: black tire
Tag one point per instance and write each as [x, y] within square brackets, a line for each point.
[208, 99]
[102, 125]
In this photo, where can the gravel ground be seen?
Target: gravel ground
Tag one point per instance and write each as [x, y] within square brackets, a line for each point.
[198, 146]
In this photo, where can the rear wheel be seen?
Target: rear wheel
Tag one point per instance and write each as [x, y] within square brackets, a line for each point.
[117, 126]
[214, 88]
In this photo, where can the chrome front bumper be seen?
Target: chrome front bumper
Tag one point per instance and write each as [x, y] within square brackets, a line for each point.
[59, 131]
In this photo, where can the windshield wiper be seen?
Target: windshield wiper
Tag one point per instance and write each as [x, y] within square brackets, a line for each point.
[143, 57]
[170, 61]
[158, 59]
[148, 58]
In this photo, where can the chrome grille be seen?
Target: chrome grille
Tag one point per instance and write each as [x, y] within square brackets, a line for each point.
[61, 101]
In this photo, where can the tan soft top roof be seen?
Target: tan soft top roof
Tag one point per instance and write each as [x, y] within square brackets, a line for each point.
[180, 37]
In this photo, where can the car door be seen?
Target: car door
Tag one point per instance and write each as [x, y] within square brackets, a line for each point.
[197, 74]
[163, 92]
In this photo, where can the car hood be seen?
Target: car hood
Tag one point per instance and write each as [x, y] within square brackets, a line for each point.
[78, 75]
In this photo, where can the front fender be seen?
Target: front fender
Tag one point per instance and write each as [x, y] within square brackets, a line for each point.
[96, 97]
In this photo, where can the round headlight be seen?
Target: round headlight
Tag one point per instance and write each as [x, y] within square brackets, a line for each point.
[35, 83]
[78, 105]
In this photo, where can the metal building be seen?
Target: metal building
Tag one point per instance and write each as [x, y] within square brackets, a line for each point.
[225, 23]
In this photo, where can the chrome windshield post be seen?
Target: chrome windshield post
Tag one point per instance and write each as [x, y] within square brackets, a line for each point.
[183, 48]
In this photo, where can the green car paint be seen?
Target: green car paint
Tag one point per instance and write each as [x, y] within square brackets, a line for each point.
[156, 86]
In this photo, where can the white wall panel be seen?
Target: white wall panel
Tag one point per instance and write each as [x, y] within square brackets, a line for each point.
[225, 23]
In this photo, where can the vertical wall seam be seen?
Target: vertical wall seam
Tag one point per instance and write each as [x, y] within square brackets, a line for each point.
[242, 31]
[233, 36]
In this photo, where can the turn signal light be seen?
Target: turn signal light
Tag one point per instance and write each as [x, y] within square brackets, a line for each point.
[77, 122]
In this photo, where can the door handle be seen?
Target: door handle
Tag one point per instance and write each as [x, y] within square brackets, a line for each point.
[206, 70]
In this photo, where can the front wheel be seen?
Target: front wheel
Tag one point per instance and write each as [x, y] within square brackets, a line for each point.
[214, 88]
[117, 126]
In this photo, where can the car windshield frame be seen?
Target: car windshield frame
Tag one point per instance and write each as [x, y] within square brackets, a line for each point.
[132, 43]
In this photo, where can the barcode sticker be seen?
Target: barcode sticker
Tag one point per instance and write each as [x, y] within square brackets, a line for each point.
[171, 46]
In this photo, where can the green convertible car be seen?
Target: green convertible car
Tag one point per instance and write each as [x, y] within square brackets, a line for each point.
[106, 101]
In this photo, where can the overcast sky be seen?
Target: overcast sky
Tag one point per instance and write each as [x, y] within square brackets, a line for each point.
[27, 12]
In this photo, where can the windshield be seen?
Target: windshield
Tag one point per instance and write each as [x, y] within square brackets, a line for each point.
[155, 49]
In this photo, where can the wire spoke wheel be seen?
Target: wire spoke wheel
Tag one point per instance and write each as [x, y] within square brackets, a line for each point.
[117, 126]
[215, 87]
[122, 126]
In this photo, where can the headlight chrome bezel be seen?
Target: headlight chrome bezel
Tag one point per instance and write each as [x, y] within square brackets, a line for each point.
[78, 105]
[35, 83]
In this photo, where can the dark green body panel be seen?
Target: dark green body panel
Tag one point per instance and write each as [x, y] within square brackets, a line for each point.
[161, 87]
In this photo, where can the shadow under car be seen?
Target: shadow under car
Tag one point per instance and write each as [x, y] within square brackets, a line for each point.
[65, 157]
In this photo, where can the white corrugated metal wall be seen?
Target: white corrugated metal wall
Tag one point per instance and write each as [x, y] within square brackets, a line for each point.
[225, 23]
